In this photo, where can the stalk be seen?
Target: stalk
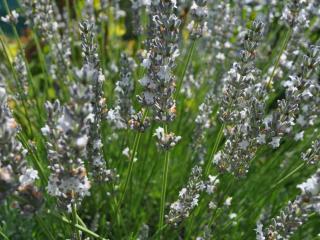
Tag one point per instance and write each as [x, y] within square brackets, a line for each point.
[135, 147]
[214, 149]
[3, 235]
[185, 68]
[134, 151]
[75, 220]
[79, 227]
[288, 175]
[164, 184]
[283, 48]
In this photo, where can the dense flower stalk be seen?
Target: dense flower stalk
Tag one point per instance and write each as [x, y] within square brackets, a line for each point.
[162, 51]
[122, 112]
[203, 122]
[12, 17]
[95, 78]
[198, 25]
[66, 132]
[301, 102]
[40, 14]
[166, 141]
[242, 108]
[137, 7]
[44, 17]
[295, 14]
[17, 178]
[189, 195]
[295, 213]
[312, 155]
[22, 76]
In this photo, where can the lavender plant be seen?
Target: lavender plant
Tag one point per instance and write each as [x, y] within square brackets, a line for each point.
[164, 119]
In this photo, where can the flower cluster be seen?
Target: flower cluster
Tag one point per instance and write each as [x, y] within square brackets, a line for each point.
[12, 17]
[312, 155]
[242, 107]
[11, 150]
[30, 198]
[286, 223]
[189, 195]
[296, 212]
[22, 75]
[139, 121]
[16, 177]
[301, 103]
[203, 123]
[88, 10]
[73, 130]
[66, 132]
[41, 15]
[295, 14]
[45, 17]
[95, 78]
[166, 141]
[123, 110]
[137, 7]
[159, 82]
[198, 26]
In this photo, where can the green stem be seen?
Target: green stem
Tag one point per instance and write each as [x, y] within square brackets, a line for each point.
[75, 220]
[135, 147]
[134, 151]
[42, 61]
[164, 184]
[79, 227]
[284, 46]
[46, 231]
[158, 232]
[185, 66]
[288, 175]
[80, 221]
[214, 149]
[3, 235]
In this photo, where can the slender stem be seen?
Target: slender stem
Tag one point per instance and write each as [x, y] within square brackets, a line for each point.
[164, 184]
[135, 147]
[46, 231]
[42, 61]
[284, 46]
[186, 65]
[80, 221]
[214, 149]
[3, 235]
[288, 175]
[134, 151]
[77, 226]
[158, 232]
[75, 220]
